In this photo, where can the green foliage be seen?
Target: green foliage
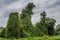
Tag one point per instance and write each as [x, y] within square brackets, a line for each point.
[58, 29]
[36, 38]
[50, 25]
[46, 24]
[13, 26]
[26, 20]
[1, 28]
[58, 33]
[2, 34]
[37, 32]
[42, 25]
[27, 11]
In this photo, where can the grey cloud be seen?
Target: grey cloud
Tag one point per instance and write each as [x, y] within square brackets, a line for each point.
[7, 2]
[6, 13]
[41, 5]
[55, 4]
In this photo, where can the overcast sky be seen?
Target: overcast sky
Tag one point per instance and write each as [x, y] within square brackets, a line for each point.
[52, 8]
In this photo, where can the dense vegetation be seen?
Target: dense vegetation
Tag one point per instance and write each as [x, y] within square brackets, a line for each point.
[36, 38]
[1, 28]
[20, 26]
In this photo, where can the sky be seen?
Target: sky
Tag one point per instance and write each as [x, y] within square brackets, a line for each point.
[52, 8]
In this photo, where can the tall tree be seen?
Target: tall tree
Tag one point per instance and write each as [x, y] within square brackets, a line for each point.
[13, 26]
[42, 23]
[26, 18]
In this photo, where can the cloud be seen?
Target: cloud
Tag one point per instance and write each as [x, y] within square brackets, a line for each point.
[52, 7]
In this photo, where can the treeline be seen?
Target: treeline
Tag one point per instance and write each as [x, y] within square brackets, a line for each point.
[20, 25]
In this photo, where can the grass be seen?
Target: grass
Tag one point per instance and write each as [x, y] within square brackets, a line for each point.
[36, 38]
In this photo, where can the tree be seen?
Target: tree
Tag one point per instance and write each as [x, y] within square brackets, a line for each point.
[46, 24]
[2, 34]
[26, 19]
[42, 23]
[13, 26]
[50, 25]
